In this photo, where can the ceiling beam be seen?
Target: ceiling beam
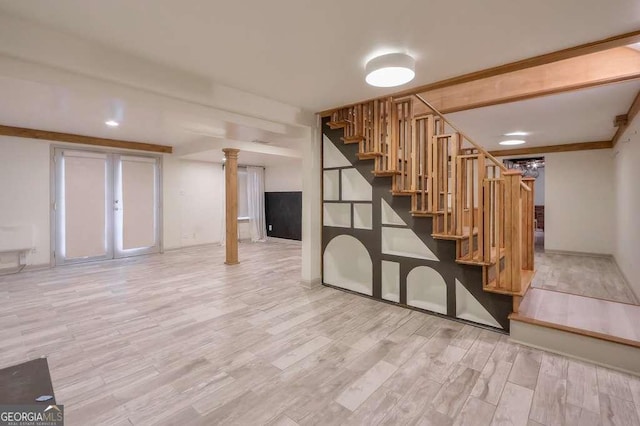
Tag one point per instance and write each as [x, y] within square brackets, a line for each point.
[595, 69]
[633, 111]
[22, 132]
[536, 61]
[582, 146]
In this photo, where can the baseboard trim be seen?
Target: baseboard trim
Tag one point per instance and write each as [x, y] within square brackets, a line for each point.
[314, 283]
[283, 240]
[578, 253]
[626, 280]
[28, 268]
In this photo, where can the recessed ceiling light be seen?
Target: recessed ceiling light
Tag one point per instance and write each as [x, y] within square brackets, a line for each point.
[112, 123]
[393, 69]
[512, 142]
[516, 134]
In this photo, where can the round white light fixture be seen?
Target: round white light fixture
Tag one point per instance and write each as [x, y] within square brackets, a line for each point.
[393, 69]
[516, 134]
[112, 123]
[512, 142]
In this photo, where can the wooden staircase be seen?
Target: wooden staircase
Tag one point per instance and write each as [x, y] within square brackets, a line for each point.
[472, 197]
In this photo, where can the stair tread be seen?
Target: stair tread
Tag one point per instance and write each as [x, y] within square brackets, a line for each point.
[337, 124]
[368, 155]
[352, 139]
[526, 277]
[465, 234]
[473, 259]
[385, 172]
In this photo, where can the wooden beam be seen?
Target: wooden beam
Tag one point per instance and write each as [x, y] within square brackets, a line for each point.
[633, 111]
[595, 69]
[22, 132]
[547, 58]
[583, 146]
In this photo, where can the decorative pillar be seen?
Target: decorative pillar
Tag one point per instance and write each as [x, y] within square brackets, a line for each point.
[231, 198]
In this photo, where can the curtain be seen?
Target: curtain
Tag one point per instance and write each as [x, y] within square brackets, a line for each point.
[255, 203]
[222, 209]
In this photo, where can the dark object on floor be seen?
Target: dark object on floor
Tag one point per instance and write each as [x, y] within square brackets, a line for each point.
[24, 383]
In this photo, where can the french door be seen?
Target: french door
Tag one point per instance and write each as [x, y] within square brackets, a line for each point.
[106, 206]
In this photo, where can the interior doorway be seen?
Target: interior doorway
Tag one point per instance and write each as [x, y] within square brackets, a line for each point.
[106, 205]
[534, 167]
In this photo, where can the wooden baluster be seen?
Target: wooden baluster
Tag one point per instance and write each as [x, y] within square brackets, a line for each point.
[528, 228]
[513, 226]
[486, 219]
[482, 255]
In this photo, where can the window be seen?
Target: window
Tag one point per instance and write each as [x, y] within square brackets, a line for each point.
[243, 204]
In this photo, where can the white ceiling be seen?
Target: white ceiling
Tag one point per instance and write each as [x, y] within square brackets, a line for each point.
[311, 54]
[580, 116]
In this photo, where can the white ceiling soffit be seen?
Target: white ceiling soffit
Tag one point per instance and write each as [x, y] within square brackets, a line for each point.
[311, 54]
[245, 158]
[581, 116]
[81, 105]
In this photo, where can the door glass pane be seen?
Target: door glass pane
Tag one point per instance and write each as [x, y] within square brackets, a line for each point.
[138, 202]
[84, 205]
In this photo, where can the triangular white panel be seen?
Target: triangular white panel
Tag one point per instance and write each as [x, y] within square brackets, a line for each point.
[331, 156]
[390, 217]
[468, 307]
[404, 242]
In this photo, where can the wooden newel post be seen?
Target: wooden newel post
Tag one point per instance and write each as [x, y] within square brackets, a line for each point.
[528, 224]
[231, 198]
[512, 229]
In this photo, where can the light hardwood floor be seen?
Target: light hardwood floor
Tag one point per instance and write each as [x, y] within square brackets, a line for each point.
[182, 339]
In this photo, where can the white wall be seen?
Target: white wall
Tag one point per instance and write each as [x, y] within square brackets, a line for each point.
[579, 201]
[539, 188]
[283, 177]
[627, 176]
[24, 192]
[193, 208]
[192, 194]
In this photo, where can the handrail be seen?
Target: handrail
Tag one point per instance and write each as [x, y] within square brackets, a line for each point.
[476, 145]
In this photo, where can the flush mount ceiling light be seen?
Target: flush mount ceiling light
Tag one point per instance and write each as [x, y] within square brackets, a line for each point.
[112, 123]
[393, 69]
[512, 142]
[519, 133]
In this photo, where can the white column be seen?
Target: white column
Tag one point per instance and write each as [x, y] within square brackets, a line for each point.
[311, 207]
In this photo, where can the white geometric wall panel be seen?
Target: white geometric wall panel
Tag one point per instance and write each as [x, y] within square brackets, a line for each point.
[468, 308]
[390, 217]
[331, 156]
[426, 289]
[337, 214]
[346, 264]
[362, 216]
[391, 281]
[404, 242]
[354, 186]
[331, 185]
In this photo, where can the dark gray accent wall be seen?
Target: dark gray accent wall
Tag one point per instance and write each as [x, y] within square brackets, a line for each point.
[283, 214]
[499, 306]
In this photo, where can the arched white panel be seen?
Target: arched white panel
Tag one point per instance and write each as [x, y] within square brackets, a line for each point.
[468, 307]
[346, 264]
[426, 289]
[331, 156]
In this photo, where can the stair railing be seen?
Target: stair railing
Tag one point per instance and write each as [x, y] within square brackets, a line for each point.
[492, 208]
